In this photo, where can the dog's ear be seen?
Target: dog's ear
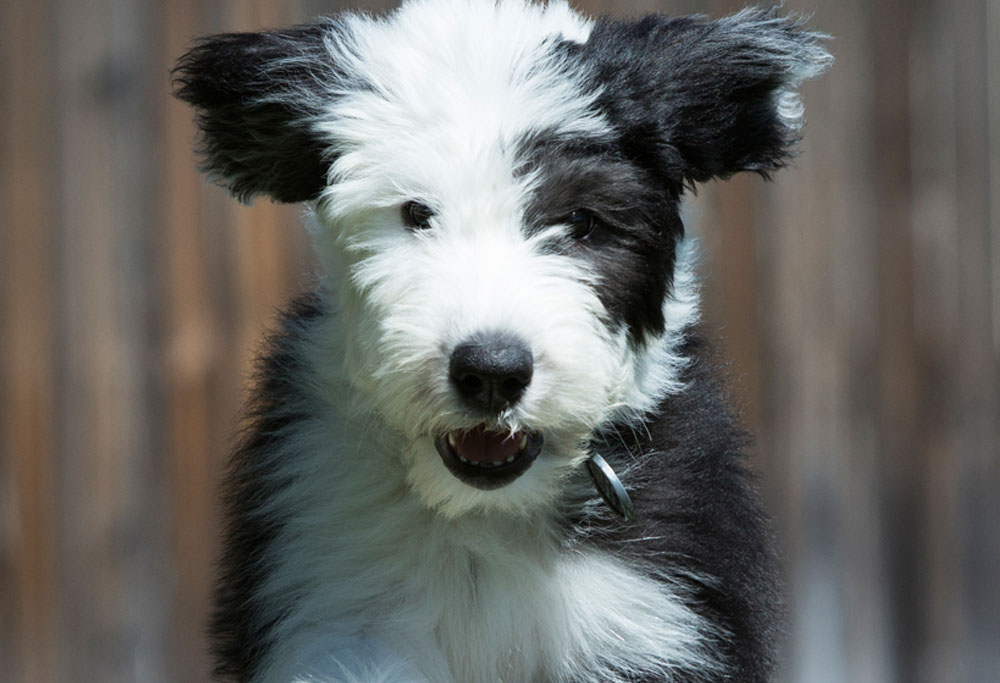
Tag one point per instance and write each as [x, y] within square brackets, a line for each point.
[258, 98]
[708, 98]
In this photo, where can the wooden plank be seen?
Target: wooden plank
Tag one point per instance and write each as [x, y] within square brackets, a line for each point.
[190, 351]
[976, 374]
[818, 249]
[132, 78]
[936, 294]
[110, 535]
[28, 383]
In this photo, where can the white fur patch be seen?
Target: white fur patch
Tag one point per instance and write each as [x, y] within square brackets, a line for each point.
[397, 592]
[442, 127]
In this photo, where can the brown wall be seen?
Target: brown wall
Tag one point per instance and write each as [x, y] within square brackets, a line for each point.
[858, 296]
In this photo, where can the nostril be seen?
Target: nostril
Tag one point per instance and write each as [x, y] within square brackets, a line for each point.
[512, 388]
[470, 384]
[491, 372]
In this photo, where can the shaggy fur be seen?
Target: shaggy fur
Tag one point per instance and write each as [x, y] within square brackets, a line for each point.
[495, 194]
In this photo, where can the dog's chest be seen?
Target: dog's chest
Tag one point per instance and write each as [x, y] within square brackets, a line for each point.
[476, 599]
[529, 617]
[500, 621]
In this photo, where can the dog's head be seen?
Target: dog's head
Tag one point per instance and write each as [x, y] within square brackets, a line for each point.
[497, 189]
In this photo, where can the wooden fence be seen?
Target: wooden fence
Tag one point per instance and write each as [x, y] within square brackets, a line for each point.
[858, 296]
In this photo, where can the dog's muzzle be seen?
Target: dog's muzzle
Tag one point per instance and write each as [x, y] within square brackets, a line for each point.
[488, 459]
[489, 374]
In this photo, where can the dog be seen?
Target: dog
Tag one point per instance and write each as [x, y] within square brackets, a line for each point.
[489, 446]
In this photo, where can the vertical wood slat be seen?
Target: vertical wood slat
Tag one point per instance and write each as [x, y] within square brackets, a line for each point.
[110, 529]
[901, 449]
[27, 307]
[141, 539]
[980, 549]
[191, 349]
[977, 368]
[933, 219]
[817, 252]
[816, 317]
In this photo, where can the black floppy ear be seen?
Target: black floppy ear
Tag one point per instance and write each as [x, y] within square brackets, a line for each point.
[258, 99]
[708, 98]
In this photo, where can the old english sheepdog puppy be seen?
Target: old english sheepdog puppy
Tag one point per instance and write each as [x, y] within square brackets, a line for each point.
[488, 447]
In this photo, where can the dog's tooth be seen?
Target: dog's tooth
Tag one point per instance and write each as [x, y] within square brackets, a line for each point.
[524, 442]
[451, 439]
[462, 459]
[510, 459]
[497, 463]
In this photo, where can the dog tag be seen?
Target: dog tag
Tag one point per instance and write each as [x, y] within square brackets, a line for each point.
[610, 486]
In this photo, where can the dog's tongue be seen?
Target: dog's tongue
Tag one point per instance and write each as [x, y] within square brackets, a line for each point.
[481, 446]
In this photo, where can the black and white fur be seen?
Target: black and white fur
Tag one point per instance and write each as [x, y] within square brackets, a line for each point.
[504, 177]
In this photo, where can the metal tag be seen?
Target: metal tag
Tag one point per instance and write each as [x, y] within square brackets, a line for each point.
[610, 486]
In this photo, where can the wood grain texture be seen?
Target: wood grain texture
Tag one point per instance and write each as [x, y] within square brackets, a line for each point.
[28, 393]
[857, 296]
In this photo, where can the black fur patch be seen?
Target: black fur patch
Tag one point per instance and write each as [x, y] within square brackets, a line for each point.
[696, 98]
[632, 246]
[697, 517]
[257, 97]
[240, 631]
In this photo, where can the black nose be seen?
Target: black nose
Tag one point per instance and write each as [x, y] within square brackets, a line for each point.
[491, 373]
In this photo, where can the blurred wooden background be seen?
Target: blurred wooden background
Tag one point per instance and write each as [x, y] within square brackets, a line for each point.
[858, 296]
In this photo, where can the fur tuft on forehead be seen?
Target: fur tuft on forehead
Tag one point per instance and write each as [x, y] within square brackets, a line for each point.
[458, 86]
[283, 112]
[288, 113]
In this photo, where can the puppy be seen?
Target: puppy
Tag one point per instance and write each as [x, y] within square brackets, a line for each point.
[489, 447]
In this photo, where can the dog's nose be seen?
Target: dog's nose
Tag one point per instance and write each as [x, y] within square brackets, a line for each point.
[491, 373]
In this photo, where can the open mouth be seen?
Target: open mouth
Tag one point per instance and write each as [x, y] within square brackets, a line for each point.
[488, 459]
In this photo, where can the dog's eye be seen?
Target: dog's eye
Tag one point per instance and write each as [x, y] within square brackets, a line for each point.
[582, 223]
[417, 216]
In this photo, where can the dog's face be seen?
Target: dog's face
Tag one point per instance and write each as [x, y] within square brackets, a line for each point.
[497, 190]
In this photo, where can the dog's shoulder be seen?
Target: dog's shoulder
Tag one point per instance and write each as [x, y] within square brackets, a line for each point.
[697, 511]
